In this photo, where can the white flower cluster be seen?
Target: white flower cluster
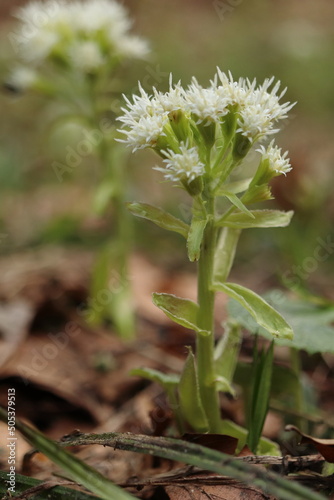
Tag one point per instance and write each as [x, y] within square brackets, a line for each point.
[259, 107]
[151, 120]
[278, 163]
[85, 33]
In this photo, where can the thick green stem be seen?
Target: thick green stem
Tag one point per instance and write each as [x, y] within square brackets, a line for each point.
[205, 344]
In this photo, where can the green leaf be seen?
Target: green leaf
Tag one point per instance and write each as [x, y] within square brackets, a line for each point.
[71, 465]
[311, 323]
[159, 217]
[189, 396]
[183, 311]
[283, 381]
[169, 383]
[224, 254]
[238, 203]
[259, 400]
[164, 379]
[226, 356]
[224, 385]
[263, 313]
[261, 218]
[266, 446]
[195, 237]
[235, 187]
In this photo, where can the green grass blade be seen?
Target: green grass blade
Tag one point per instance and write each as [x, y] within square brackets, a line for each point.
[259, 404]
[200, 456]
[24, 483]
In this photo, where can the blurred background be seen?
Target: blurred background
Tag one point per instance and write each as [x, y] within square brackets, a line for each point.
[290, 39]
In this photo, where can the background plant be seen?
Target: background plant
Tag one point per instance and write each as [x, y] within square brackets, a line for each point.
[70, 52]
[202, 136]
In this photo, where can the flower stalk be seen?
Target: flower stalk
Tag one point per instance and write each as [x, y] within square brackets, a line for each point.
[205, 344]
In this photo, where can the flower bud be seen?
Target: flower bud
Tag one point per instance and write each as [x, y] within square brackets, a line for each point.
[241, 147]
[194, 187]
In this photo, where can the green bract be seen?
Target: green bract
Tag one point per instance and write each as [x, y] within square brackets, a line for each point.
[202, 135]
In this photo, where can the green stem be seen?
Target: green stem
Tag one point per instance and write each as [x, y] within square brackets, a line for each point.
[111, 158]
[114, 160]
[205, 344]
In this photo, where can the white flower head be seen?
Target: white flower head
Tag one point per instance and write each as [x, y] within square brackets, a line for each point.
[207, 104]
[131, 46]
[96, 15]
[39, 47]
[86, 56]
[235, 91]
[278, 163]
[170, 101]
[58, 24]
[145, 132]
[255, 122]
[181, 166]
[269, 100]
[259, 107]
[21, 78]
[142, 105]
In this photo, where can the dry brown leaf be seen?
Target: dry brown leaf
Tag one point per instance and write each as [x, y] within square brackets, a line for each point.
[234, 491]
[245, 452]
[219, 442]
[14, 321]
[324, 446]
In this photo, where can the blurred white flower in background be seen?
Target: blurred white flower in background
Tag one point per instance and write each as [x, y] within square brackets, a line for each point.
[86, 56]
[83, 34]
[21, 78]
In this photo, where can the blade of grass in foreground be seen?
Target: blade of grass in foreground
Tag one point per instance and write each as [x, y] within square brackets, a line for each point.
[200, 456]
[40, 489]
[73, 467]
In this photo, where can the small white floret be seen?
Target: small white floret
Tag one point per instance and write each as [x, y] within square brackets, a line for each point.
[278, 163]
[184, 165]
